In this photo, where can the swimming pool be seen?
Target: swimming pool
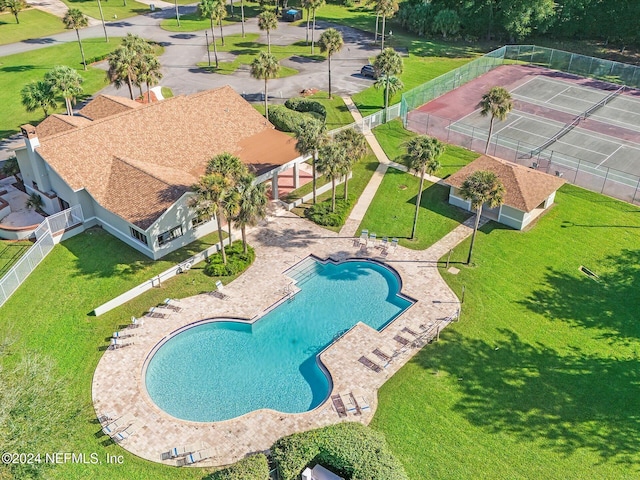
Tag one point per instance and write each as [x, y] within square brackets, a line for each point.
[218, 370]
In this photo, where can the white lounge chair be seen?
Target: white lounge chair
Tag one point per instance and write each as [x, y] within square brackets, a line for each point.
[169, 303]
[122, 422]
[384, 243]
[195, 457]
[373, 239]
[364, 236]
[349, 403]
[219, 291]
[363, 405]
[118, 343]
[136, 322]
[394, 244]
[153, 313]
[122, 435]
[182, 451]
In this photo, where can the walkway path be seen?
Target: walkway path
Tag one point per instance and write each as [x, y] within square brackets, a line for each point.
[57, 8]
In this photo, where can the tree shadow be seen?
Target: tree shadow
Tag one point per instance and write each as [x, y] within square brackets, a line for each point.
[18, 68]
[609, 302]
[567, 401]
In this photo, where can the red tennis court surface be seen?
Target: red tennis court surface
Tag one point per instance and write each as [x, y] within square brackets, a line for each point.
[585, 130]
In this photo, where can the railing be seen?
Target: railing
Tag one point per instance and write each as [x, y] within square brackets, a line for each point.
[51, 227]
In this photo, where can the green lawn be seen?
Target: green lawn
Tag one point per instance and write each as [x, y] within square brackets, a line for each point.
[34, 23]
[49, 314]
[392, 137]
[19, 69]
[246, 49]
[10, 253]
[393, 208]
[111, 9]
[192, 22]
[338, 114]
[540, 377]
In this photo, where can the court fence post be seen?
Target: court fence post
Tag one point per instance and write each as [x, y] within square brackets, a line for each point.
[636, 192]
[605, 180]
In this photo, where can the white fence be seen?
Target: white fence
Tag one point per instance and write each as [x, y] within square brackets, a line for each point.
[157, 280]
[46, 233]
[371, 121]
[320, 190]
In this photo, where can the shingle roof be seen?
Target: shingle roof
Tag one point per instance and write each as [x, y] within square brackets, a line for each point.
[168, 144]
[106, 105]
[56, 123]
[525, 188]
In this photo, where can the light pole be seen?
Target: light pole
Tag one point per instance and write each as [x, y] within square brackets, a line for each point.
[206, 34]
[104, 27]
[177, 13]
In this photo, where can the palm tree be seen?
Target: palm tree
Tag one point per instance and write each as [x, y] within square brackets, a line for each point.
[14, 6]
[39, 94]
[385, 9]
[206, 8]
[390, 85]
[355, 144]
[220, 12]
[497, 102]
[423, 154]
[330, 42]
[253, 205]
[331, 162]
[268, 21]
[65, 82]
[310, 137]
[148, 69]
[479, 188]
[227, 165]
[242, 16]
[122, 68]
[315, 4]
[306, 4]
[265, 66]
[211, 192]
[136, 44]
[75, 19]
[388, 64]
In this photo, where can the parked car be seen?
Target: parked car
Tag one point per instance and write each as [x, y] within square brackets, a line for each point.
[369, 71]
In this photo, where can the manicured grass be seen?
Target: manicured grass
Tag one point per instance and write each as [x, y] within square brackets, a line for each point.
[18, 70]
[192, 22]
[246, 49]
[34, 23]
[539, 378]
[338, 114]
[362, 172]
[393, 208]
[111, 9]
[10, 253]
[166, 92]
[50, 314]
[393, 137]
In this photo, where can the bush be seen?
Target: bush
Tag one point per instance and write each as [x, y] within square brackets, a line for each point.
[321, 213]
[237, 261]
[351, 449]
[300, 104]
[287, 120]
[254, 467]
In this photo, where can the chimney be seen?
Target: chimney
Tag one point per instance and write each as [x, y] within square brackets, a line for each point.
[30, 136]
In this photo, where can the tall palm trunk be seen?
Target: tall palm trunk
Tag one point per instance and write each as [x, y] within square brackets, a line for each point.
[384, 20]
[221, 34]
[84, 62]
[243, 229]
[329, 59]
[67, 102]
[130, 85]
[242, 15]
[148, 93]
[375, 39]
[231, 3]
[346, 186]
[386, 100]
[475, 230]
[213, 41]
[418, 200]
[229, 225]
[219, 220]
[266, 95]
[333, 194]
[268, 41]
[313, 31]
[17, 20]
[313, 173]
[308, 20]
[486, 148]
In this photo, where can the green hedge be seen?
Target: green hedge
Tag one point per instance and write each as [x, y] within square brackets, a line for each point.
[300, 104]
[321, 213]
[237, 261]
[351, 450]
[254, 467]
[287, 120]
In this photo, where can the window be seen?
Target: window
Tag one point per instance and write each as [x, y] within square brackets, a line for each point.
[169, 235]
[199, 220]
[141, 237]
[64, 205]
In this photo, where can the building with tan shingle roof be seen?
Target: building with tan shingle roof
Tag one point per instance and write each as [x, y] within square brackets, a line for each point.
[528, 192]
[131, 166]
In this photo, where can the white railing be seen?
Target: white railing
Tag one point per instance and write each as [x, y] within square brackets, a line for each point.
[45, 241]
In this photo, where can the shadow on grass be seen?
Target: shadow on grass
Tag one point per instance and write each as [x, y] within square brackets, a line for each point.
[609, 303]
[564, 401]
[436, 199]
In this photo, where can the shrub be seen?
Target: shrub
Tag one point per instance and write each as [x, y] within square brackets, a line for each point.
[287, 120]
[321, 213]
[300, 104]
[237, 261]
[254, 467]
[350, 449]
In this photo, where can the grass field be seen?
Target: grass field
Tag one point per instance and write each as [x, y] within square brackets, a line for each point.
[18, 70]
[10, 253]
[393, 208]
[111, 9]
[392, 137]
[539, 379]
[34, 23]
[246, 49]
[49, 314]
[192, 22]
[338, 114]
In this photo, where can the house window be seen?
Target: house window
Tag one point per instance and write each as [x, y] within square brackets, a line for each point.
[141, 237]
[199, 220]
[169, 235]
[64, 205]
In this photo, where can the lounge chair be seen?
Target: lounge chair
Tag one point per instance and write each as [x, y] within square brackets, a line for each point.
[410, 332]
[119, 424]
[349, 403]
[136, 322]
[104, 418]
[369, 364]
[373, 238]
[219, 291]
[364, 236]
[402, 340]
[123, 435]
[394, 244]
[176, 452]
[118, 343]
[122, 334]
[383, 354]
[167, 304]
[361, 401]
[338, 404]
[194, 457]
[384, 243]
[153, 313]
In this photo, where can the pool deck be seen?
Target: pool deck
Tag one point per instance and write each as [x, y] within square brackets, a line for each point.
[280, 243]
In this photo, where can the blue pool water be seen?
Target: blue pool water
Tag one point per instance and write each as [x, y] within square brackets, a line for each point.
[220, 370]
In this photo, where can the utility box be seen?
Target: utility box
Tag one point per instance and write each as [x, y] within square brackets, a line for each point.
[292, 15]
